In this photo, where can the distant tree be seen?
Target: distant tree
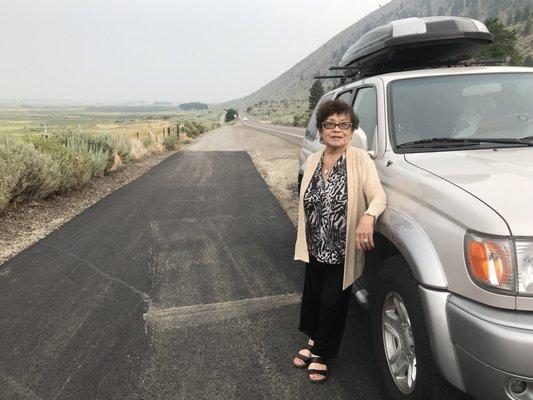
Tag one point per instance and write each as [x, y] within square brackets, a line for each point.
[315, 93]
[527, 28]
[231, 114]
[193, 106]
[504, 43]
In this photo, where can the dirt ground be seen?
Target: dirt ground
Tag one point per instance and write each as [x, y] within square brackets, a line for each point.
[275, 159]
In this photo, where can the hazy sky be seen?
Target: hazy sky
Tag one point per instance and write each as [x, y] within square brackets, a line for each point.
[197, 50]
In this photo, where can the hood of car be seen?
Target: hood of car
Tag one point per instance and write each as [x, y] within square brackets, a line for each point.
[502, 178]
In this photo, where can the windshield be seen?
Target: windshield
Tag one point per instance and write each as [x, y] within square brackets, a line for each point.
[484, 106]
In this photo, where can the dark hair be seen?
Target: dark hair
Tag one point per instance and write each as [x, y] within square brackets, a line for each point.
[330, 107]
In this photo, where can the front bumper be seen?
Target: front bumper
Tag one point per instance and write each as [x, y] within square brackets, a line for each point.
[493, 348]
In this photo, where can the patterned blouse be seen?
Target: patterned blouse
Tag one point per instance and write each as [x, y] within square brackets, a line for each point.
[325, 203]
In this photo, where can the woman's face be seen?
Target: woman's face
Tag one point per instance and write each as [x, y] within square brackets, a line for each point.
[336, 137]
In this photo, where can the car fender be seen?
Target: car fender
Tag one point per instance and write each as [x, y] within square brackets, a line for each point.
[414, 245]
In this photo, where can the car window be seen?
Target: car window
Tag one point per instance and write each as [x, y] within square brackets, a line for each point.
[365, 107]
[310, 132]
[345, 96]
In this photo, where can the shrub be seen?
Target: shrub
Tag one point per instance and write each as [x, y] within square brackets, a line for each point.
[147, 142]
[193, 128]
[169, 143]
[300, 119]
[25, 172]
[74, 170]
[95, 150]
[122, 145]
[138, 151]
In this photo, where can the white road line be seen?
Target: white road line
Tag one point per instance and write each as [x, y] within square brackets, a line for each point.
[274, 130]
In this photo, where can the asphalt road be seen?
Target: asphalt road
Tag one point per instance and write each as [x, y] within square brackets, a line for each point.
[180, 285]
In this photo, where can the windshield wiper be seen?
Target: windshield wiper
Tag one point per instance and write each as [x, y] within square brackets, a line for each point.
[440, 141]
[527, 141]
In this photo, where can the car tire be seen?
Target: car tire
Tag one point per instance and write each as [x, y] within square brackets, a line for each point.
[397, 301]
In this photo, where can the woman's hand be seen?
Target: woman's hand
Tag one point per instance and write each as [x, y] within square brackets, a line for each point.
[364, 233]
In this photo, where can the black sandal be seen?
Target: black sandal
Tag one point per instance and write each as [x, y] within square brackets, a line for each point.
[305, 359]
[322, 372]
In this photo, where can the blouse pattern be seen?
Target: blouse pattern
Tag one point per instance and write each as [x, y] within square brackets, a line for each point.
[325, 206]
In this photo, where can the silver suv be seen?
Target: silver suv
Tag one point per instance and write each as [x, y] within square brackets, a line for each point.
[450, 282]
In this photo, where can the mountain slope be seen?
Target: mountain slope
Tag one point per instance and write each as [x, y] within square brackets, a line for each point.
[294, 84]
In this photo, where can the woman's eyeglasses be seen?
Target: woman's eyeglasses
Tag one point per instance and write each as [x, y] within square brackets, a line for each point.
[331, 125]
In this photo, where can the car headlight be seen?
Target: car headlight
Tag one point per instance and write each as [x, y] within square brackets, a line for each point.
[490, 261]
[524, 261]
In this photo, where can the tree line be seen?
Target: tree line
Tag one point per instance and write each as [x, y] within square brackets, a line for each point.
[195, 105]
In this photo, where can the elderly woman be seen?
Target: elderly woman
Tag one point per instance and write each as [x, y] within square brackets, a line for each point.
[340, 199]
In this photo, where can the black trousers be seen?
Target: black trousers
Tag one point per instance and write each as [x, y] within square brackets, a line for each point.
[324, 306]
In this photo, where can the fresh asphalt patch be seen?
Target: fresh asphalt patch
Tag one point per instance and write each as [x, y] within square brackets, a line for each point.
[180, 285]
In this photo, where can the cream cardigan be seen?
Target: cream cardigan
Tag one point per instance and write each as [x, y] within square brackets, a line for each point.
[365, 196]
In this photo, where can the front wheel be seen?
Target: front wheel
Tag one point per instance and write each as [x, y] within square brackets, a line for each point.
[402, 345]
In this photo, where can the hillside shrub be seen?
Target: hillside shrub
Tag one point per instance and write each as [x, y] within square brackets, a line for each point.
[300, 119]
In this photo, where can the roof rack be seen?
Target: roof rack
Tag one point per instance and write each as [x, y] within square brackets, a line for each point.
[358, 74]
[352, 72]
[414, 43]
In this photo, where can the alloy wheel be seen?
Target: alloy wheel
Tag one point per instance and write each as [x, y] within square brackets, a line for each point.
[399, 344]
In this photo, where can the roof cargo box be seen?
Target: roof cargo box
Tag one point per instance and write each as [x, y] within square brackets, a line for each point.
[413, 43]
